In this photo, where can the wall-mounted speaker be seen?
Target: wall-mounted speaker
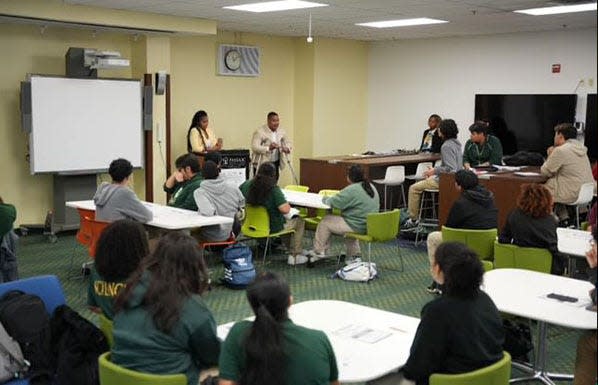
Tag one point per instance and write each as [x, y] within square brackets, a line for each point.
[160, 82]
[238, 60]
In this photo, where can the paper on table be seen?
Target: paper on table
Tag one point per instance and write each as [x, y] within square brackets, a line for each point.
[362, 333]
[506, 168]
[526, 173]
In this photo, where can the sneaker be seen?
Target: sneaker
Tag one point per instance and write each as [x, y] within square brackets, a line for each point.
[297, 259]
[410, 225]
[315, 256]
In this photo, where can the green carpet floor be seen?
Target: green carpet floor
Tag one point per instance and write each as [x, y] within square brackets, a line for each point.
[401, 292]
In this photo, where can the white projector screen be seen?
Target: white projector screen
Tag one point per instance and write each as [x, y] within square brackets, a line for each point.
[81, 125]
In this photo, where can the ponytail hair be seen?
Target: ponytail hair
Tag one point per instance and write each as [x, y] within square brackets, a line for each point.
[197, 117]
[355, 174]
[265, 359]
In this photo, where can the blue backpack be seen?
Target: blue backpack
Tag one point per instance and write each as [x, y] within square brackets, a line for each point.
[238, 266]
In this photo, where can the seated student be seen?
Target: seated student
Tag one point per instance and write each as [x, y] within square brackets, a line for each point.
[215, 196]
[122, 245]
[355, 202]
[585, 360]
[183, 182]
[272, 350]
[263, 191]
[431, 140]
[8, 243]
[451, 161]
[482, 149]
[162, 325]
[474, 209]
[532, 224]
[116, 200]
[461, 330]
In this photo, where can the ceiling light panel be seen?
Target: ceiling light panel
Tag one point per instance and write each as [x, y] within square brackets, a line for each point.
[402, 23]
[273, 6]
[558, 9]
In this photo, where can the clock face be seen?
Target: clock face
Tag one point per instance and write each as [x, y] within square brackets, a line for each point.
[232, 60]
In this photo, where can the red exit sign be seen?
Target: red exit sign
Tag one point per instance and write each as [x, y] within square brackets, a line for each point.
[556, 68]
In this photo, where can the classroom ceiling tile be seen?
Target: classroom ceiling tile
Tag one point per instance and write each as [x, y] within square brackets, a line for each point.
[466, 17]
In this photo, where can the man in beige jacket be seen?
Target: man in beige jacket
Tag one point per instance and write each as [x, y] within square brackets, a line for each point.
[567, 168]
[270, 144]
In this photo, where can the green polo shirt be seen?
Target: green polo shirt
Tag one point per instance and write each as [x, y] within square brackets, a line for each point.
[310, 358]
[8, 214]
[101, 293]
[182, 194]
[490, 151]
[273, 201]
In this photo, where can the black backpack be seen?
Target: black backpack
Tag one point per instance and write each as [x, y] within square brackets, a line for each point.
[26, 320]
[77, 344]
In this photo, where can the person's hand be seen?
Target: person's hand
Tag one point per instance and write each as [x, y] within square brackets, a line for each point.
[467, 166]
[218, 145]
[273, 146]
[178, 176]
[591, 255]
[286, 150]
[429, 172]
[549, 150]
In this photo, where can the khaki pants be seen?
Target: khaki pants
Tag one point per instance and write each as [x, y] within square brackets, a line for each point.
[585, 361]
[415, 194]
[295, 243]
[434, 240]
[334, 224]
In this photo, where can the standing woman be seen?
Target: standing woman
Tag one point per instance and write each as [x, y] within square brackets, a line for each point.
[200, 137]
[355, 202]
[162, 325]
[272, 350]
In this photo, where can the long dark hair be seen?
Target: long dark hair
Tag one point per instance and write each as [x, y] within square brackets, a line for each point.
[265, 359]
[263, 182]
[177, 272]
[197, 117]
[122, 245]
[462, 269]
[355, 174]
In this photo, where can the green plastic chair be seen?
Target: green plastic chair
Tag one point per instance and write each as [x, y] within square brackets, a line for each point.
[480, 241]
[257, 225]
[106, 326]
[528, 258]
[487, 265]
[498, 373]
[312, 222]
[381, 227]
[300, 188]
[112, 374]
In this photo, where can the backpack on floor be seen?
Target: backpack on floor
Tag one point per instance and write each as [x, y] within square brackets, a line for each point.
[26, 320]
[12, 363]
[358, 272]
[238, 266]
[77, 344]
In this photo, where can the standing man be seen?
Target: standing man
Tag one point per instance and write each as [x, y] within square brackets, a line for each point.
[567, 168]
[184, 181]
[270, 144]
[431, 141]
[482, 149]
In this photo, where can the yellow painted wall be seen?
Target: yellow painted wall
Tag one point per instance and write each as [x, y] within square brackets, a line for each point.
[340, 96]
[319, 91]
[26, 50]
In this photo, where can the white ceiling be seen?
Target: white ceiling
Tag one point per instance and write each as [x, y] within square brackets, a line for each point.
[466, 17]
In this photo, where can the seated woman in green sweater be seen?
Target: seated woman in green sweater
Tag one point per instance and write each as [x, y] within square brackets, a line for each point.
[460, 331]
[355, 202]
[272, 350]
[162, 326]
[122, 245]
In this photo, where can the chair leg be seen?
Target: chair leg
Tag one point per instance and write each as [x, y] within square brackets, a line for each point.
[419, 216]
[404, 201]
[266, 251]
[369, 261]
[577, 216]
[385, 188]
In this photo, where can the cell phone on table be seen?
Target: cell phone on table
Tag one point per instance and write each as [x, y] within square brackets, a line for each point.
[562, 298]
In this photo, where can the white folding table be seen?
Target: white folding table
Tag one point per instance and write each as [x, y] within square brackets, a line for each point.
[166, 217]
[368, 343]
[524, 293]
[304, 199]
[574, 243]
